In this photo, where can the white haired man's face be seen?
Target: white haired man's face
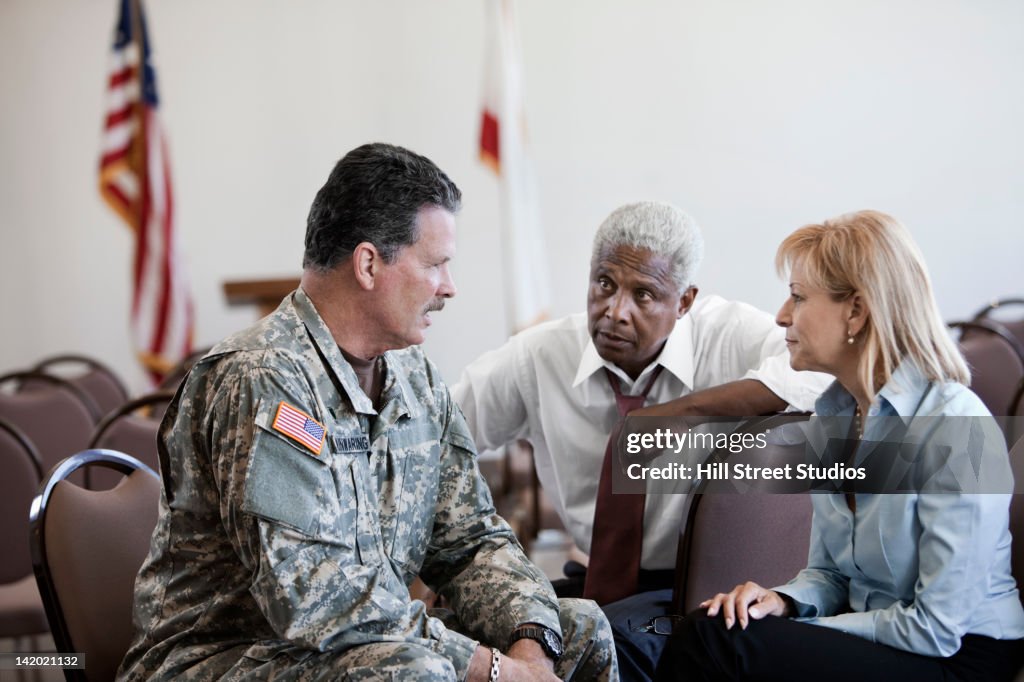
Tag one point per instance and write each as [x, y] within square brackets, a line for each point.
[632, 306]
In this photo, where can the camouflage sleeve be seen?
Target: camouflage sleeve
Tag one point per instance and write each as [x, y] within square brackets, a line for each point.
[475, 559]
[294, 516]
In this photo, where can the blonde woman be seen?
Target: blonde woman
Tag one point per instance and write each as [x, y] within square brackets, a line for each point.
[898, 586]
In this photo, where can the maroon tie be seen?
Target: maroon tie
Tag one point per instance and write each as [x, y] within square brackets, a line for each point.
[618, 534]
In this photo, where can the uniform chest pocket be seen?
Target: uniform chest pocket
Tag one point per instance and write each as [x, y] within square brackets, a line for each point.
[287, 483]
[412, 498]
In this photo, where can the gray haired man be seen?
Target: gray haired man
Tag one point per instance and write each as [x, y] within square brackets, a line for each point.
[563, 385]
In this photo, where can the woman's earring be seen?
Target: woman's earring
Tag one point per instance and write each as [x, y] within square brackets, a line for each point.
[849, 337]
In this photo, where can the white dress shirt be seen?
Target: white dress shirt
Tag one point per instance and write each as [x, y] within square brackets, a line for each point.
[547, 385]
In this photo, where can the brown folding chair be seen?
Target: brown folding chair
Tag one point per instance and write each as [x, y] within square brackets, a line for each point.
[21, 608]
[96, 379]
[996, 359]
[57, 416]
[87, 547]
[727, 538]
[133, 428]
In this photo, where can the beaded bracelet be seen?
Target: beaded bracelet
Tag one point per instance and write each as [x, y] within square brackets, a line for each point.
[495, 665]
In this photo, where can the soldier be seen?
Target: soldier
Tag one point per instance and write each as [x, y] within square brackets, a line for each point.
[315, 464]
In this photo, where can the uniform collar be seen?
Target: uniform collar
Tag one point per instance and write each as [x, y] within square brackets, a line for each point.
[676, 357]
[329, 351]
[397, 395]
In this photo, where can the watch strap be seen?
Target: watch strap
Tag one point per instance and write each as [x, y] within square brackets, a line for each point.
[539, 634]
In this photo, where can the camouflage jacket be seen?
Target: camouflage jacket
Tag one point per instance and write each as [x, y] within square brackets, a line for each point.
[267, 544]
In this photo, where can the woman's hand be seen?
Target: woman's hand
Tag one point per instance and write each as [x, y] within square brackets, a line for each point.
[746, 601]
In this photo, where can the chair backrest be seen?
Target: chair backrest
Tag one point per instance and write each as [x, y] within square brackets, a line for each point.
[762, 537]
[997, 308]
[92, 376]
[87, 547]
[996, 359]
[57, 416]
[133, 428]
[21, 475]
[728, 538]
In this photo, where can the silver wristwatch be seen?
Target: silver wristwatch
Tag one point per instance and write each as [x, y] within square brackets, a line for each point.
[548, 639]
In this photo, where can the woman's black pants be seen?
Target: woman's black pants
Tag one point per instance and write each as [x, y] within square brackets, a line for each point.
[702, 650]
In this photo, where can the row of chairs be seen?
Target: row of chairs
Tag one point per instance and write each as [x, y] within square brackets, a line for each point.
[59, 419]
[58, 407]
[22, 614]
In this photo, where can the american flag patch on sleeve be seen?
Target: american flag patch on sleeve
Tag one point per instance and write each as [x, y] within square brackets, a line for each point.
[299, 426]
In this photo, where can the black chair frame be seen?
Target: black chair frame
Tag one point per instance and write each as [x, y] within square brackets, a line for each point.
[127, 408]
[24, 441]
[992, 327]
[90, 362]
[36, 375]
[995, 305]
[110, 459]
[1018, 400]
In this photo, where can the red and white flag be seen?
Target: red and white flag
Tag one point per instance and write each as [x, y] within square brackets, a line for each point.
[503, 149]
[135, 180]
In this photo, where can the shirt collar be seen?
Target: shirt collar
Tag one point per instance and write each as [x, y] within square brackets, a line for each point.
[901, 395]
[676, 356]
[905, 389]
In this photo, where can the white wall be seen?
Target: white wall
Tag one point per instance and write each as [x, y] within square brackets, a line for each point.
[756, 117]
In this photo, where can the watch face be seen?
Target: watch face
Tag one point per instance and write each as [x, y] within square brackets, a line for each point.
[552, 642]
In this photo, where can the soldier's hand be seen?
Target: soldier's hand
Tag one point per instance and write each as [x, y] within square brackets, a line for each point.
[519, 665]
[531, 654]
[520, 670]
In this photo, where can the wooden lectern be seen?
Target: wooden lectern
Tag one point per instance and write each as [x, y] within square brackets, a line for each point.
[266, 294]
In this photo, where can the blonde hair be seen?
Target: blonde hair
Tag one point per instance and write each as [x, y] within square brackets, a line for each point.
[873, 254]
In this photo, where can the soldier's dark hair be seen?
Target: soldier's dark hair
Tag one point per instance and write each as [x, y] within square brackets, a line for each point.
[374, 195]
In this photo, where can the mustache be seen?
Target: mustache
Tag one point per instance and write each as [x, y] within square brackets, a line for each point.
[437, 304]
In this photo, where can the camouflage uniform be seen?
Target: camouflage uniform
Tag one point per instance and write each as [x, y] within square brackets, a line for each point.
[270, 560]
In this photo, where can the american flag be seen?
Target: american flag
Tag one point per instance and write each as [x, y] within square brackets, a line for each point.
[135, 180]
[300, 426]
